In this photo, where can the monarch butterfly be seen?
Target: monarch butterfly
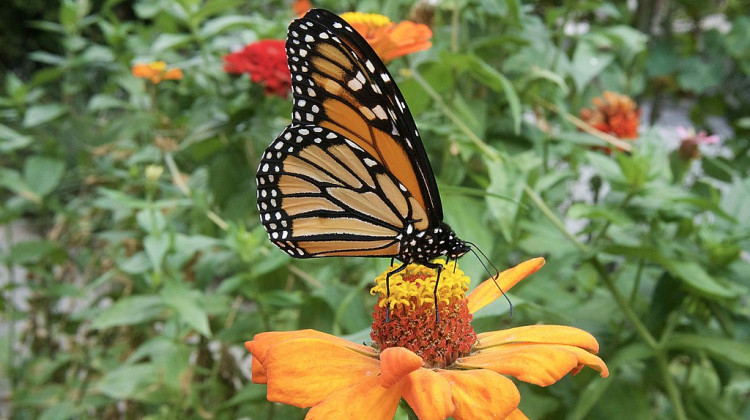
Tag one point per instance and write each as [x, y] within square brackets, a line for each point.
[349, 176]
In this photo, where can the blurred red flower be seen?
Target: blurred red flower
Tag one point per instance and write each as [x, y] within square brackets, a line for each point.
[265, 62]
[614, 114]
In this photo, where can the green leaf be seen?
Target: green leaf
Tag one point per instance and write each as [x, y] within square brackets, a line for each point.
[698, 76]
[186, 303]
[40, 114]
[696, 278]
[100, 102]
[499, 83]
[156, 248]
[691, 273]
[33, 252]
[169, 41]
[217, 25]
[130, 310]
[605, 166]
[588, 62]
[727, 349]
[127, 381]
[538, 73]
[736, 201]
[62, 411]
[42, 174]
[11, 140]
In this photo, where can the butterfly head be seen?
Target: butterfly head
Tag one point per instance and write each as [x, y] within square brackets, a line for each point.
[425, 246]
[454, 247]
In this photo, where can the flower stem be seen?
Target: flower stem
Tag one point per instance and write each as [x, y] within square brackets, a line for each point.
[624, 306]
[553, 218]
[672, 392]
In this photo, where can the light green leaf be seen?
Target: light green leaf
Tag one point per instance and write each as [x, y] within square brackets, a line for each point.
[130, 310]
[42, 174]
[156, 248]
[40, 114]
[696, 278]
[215, 26]
[33, 252]
[605, 166]
[588, 62]
[186, 303]
[127, 381]
[11, 140]
[169, 41]
[718, 347]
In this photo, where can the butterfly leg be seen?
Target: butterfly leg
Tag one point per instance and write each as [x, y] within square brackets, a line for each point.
[439, 268]
[388, 289]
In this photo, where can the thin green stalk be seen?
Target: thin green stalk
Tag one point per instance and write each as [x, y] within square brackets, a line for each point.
[619, 299]
[672, 392]
[637, 282]
[553, 218]
[445, 109]
[606, 226]
[624, 306]
[455, 18]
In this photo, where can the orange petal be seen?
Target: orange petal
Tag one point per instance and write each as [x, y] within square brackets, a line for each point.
[261, 342]
[481, 394]
[407, 37]
[587, 359]
[304, 371]
[429, 395]
[547, 334]
[396, 363]
[538, 364]
[487, 292]
[142, 70]
[173, 74]
[517, 415]
[257, 371]
[365, 399]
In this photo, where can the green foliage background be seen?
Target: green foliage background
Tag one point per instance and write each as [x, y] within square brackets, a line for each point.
[136, 295]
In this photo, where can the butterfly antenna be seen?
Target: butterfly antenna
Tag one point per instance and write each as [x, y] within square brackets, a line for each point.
[472, 246]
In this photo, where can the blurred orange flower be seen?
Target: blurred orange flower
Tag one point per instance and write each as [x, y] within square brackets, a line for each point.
[388, 39]
[441, 370]
[301, 7]
[156, 71]
[614, 114]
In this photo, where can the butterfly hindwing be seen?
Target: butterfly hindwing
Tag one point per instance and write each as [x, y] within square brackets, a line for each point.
[339, 83]
[320, 194]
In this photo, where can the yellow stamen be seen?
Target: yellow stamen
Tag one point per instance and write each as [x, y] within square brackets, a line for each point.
[415, 285]
[372, 20]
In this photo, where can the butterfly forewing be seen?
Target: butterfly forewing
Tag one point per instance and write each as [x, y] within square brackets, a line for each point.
[339, 83]
[320, 194]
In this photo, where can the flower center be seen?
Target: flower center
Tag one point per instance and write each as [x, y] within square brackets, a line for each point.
[367, 24]
[412, 314]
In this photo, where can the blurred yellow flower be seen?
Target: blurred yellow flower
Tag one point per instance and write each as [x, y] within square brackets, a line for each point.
[153, 172]
[388, 39]
[156, 71]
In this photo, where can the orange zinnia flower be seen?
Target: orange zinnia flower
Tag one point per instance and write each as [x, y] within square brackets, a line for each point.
[301, 7]
[390, 40]
[443, 370]
[156, 71]
[614, 114]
